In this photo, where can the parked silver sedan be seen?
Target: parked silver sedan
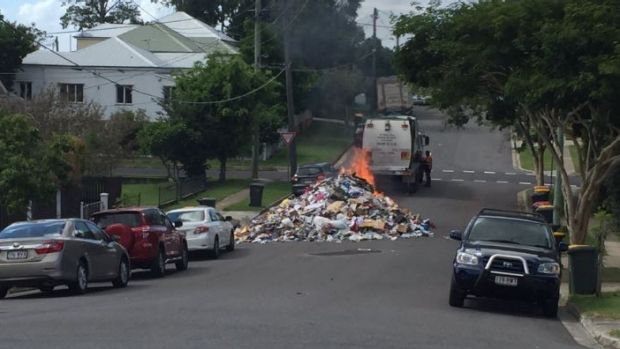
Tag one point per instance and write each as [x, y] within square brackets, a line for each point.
[47, 253]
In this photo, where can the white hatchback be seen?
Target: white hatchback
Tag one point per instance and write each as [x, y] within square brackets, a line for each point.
[205, 229]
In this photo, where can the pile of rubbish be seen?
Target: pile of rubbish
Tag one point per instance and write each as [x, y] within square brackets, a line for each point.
[340, 208]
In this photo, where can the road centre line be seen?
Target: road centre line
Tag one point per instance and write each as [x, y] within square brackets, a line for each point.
[502, 182]
[511, 173]
[447, 171]
[468, 171]
[525, 183]
[436, 179]
[457, 180]
[489, 172]
[480, 180]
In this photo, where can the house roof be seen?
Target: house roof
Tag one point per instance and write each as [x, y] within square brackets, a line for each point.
[106, 30]
[191, 27]
[124, 55]
[150, 45]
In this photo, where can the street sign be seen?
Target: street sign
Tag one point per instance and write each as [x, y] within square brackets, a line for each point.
[288, 136]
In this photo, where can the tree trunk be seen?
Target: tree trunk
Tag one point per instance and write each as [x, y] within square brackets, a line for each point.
[222, 177]
[539, 167]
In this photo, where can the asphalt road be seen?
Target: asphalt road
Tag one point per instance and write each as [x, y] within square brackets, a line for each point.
[293, 295]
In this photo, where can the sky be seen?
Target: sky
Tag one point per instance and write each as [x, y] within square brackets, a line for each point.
[45, 14]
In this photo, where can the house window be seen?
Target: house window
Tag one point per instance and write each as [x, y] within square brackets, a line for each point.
[72, 93]
[168, 91]
[123, 94]
[25, 90]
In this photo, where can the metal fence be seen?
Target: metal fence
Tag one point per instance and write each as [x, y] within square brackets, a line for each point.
[170, 193]
[167, 194]
[87, 209]
[191, 186]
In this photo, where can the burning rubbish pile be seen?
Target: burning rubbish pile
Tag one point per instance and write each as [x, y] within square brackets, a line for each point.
[345, 207]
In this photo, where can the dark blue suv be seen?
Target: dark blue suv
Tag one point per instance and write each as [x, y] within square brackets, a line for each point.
[507, 254]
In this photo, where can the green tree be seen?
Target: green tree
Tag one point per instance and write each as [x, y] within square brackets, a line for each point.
[170, 143]
[229, 15]
[85, 14]
[222, 129]
[30, 168]
[16, 41]
[552, 64]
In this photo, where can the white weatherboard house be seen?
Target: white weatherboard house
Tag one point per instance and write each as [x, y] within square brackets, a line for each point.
[123, 66]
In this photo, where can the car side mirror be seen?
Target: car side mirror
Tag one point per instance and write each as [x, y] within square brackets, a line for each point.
[229, 218]
[562, 246]
[178, 224]
[78, 234]
[456, 235]
[427, 140]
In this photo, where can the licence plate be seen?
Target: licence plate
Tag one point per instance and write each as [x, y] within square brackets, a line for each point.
[505, 280]
[22, 254]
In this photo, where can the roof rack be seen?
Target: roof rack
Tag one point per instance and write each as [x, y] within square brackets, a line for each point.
[515, 214]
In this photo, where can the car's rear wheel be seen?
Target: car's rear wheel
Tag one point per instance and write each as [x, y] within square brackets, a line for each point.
[184, 262]
[80, 285]
[457, 296]
[231, 244]
[214, 253]
[122, 279]
[158, 269]
[3, 292]
[550, 307]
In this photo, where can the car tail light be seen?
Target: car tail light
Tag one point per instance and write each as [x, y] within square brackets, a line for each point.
[201, 229]
[405, 155]
[404, 126]
[50, 247]
[141, 232]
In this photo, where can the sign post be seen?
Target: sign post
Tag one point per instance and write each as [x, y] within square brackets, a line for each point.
[287, 137]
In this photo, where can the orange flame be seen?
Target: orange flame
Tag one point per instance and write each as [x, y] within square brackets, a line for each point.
[360, 166]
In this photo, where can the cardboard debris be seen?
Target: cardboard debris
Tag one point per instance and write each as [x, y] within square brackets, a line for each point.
[341, 208]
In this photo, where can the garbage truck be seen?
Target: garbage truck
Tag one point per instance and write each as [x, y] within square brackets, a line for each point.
[394, 146]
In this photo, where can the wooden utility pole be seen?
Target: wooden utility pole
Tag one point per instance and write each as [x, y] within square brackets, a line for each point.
[290, 103]
[373, 104]
[256, 131]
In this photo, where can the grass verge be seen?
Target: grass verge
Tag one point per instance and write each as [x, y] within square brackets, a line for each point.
[615, 333]
[527, 160]
[272, 192]
[149, 192]
[607, 306]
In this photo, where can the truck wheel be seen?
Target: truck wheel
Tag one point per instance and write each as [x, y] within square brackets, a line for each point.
[550, 307]
[457, 296]
[158, 269]
[412, 188]
[184, 262]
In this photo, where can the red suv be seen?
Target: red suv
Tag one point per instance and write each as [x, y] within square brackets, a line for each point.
[148, 235]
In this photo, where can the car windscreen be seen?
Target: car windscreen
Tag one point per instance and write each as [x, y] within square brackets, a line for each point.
[131, 219]
[511, 231]
[309, 171]
[32, 230]
[187, 216]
